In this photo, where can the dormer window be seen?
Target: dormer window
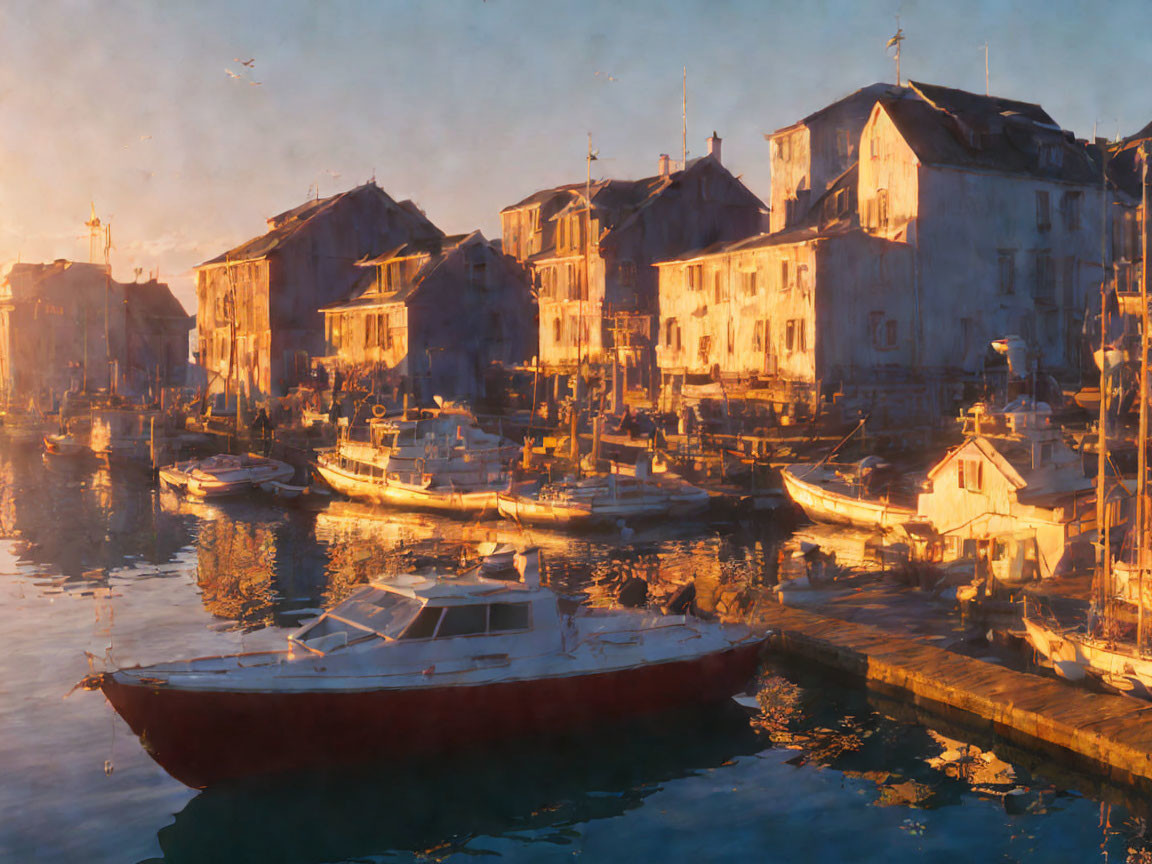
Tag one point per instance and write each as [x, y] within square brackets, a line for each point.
[1051, 157]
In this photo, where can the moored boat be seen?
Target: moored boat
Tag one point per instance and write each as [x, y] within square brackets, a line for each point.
[602, 500]
[443, 462]
[63, 445]
[219, 476]
[839, 494]
[420, 664]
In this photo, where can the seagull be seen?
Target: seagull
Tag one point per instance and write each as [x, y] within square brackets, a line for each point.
[232, 74]
[249, 62]
[145, 137]
[255, 83]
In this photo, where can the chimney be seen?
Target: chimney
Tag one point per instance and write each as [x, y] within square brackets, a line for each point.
[665, 165]
[714, 147]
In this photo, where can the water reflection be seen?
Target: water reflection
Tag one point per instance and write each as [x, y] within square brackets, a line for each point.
[537, 793]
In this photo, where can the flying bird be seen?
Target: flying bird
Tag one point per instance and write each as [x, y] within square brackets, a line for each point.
[232, 74]
[249, 62]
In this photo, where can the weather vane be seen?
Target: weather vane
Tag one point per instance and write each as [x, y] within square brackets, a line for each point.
[894, 42]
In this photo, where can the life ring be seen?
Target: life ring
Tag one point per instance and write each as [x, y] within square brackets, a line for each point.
[379, 410]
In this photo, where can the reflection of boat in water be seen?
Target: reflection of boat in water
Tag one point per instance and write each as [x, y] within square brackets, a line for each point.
[535, 795]
[845, 494]
[424, 665]
[444, 463]
[19, 429]
[603, 500]
[218, 476]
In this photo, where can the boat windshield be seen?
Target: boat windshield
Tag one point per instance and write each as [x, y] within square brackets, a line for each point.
[370, 613]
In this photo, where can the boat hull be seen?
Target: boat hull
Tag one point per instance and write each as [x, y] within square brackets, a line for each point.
[824, 505]
[410, 497]
[1075, 654]
[204, 737]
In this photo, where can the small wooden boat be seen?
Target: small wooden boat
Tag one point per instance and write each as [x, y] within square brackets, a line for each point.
[603, 500]
[828, 493]
[64, 445]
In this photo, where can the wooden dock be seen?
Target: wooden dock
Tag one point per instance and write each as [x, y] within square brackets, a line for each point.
[1098, 731]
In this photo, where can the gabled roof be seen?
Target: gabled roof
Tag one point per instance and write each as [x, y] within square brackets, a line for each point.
[966, 130]
[865, 96]
[988, 450]
[363, 293]
[287, 224]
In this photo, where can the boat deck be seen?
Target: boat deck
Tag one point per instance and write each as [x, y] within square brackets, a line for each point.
[1100, 730]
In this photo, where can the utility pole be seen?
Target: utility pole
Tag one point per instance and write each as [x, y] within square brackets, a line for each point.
[107, 300]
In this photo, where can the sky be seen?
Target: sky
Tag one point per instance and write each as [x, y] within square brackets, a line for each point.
[143, 109]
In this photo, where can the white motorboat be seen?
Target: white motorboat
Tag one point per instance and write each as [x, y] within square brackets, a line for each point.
[424, 663]
[219, 476]
[445, 462]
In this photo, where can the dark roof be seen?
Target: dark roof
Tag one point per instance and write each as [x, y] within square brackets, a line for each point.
[153, 299]
[865, 96]
[543, 195]
[962, 102]
[987, 135]
[285, 225]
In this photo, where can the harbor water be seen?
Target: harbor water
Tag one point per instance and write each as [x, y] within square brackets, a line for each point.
[99, 569]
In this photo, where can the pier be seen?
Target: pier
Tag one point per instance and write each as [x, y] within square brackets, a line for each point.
[1099, 731]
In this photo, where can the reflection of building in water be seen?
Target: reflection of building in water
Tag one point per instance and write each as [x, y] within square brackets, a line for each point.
[237, 563]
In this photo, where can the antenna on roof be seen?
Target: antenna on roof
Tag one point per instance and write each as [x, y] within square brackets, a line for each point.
[987, 86]
[684, 160]
[895, 42]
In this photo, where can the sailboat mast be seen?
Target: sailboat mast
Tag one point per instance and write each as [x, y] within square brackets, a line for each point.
[1103, 552]
[1142, 438]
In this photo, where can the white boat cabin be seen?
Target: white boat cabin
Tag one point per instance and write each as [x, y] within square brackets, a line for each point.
[1022, 504]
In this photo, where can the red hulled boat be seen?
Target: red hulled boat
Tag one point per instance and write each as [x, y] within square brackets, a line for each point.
[420, 664]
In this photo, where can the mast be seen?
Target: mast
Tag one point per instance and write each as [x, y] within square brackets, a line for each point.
[107, 293]
[1142, 439]
[684, 152]
[1103, 552]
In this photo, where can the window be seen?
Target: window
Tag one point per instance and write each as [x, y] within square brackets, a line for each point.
[1007, 261]
[802, 277]
[1051, 156]
[425, 624]
[970, 474]
[556, 330]
[842, 146]
[628, 274]
[748, 282]
[695, 277]
[790, 336]
[1044, 286]
[1043, 210]
[784, 275]
[386, 326]
[795, 336]
[705, 348]
[369, 330]
[890, 333]
[875, 146]
[507, 616]
[882, 209]
[669, 331]
[547, 282]
[476, 274]
[758, 340]
[1070, 206]
[393, 275]
[719, 289]
[731, 338]
[463, 621]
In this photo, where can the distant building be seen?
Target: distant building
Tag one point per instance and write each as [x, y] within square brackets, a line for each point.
[594, 273]
[433, 316]
[259, 320]
[67, 324]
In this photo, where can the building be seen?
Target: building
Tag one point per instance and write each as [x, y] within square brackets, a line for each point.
[259, 320]
[434, 316]
[69, 325]
[807, 157]
[1001, 208]
[593, 266]
[961, 219]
